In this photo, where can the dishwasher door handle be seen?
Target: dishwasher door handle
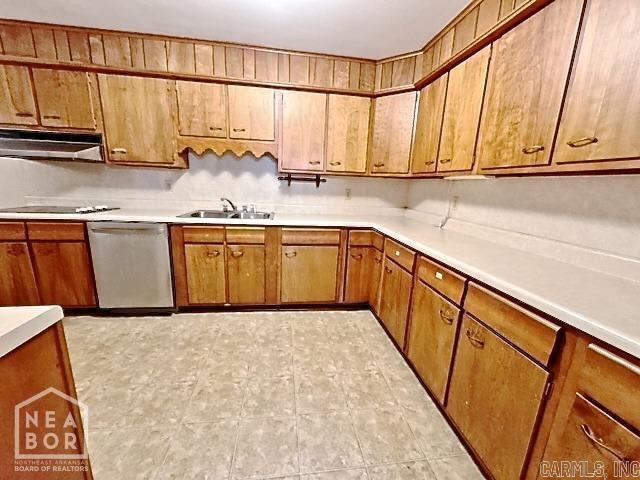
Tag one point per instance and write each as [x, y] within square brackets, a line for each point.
[108, 230]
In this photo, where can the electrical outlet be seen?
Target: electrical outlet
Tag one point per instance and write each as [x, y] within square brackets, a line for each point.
[347, 193]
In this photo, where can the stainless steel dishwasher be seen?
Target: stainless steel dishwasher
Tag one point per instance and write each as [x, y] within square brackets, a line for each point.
[131, 264]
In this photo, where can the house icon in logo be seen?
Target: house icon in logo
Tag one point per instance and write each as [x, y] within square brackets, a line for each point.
[47, 427]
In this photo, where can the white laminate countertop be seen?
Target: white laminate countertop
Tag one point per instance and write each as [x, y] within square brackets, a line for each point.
[604, 306]
[20, 324]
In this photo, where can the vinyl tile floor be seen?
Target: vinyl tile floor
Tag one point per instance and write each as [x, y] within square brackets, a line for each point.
[293, 395]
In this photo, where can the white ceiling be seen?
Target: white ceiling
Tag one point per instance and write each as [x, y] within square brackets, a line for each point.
[359, 28]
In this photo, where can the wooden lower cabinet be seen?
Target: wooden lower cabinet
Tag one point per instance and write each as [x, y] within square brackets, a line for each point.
[375, 285]
[394, 300]
[205, 273]
[360, 270]
[309, 273]
[495, 397]
[432, 335]
[17, 281]
[246, 273]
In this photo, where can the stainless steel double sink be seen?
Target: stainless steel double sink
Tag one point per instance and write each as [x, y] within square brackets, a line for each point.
[233, 214]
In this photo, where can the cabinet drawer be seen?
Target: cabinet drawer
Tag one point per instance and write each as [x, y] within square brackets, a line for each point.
[529, 332]
[365, 238]
[12, 231]
[245, 235]
[203, 234]
[442, 279]
[613, 382]
[399, 254]
[55, 231]
[303, 236]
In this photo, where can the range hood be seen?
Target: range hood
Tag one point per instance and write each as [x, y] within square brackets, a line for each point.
[44, 145]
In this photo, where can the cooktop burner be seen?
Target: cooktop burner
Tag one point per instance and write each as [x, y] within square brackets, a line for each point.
[58, 209]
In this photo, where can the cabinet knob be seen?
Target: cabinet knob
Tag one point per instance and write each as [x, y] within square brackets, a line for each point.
[314, 162]
[446, 317]
[237, 253]
[378, 165]
[215, 253]
[52, 117]
[388, 270]
[215, 129]
[24, 114]
[474, 340]
[335, 163]
[119, 150]
[445, 160]
[591, 435]
[239, 129]
[582, 142]
[533, 149]
[378, 260]
[429, 162]
[290, 254]
[356, 256]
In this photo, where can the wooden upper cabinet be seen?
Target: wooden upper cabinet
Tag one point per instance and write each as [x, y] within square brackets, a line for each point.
[202, 109]
[495, 396]
[139, 119]
[392, 133]
[602, 110]
[251, 113]
[428, 126]
[527, 78]
[303, 131]
[64, 98]
[309, 273]
[347, 133]
[17, 102]
[462, 113]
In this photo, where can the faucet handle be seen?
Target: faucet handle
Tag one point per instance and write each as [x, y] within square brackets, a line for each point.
[245, 208]
[252, 208]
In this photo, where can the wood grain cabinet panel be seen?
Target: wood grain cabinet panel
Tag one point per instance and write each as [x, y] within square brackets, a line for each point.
[64, 273]
[360, 268]
[495, 396]
[465, 92]
[17, 101]
[139, 119]
[303, 131]
[205, 273]
[428, 126]
[602, 109]
[375, 285]
[251, 113]
[392, 133]
[64, 98]
[395, 296]
[433, 326]
[347, 133]
[202, 109]
[246, 273]
[309, 274]
[527, 77]
[17, 280]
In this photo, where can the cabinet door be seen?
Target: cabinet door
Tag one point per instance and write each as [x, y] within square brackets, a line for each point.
[17, 281]
[392, 133]
[246, 273]
[251, 113]
[495, 396]
[139, 119]
[527, 77]
[602, 109]
[375, 286]
[64, 273]
[359, 274]
[17, 103]
[462, 113]
[202, 109]
[309, 274]
[429, 126]
[303, 127]
[433, 327]
[394, 300]
[347, 133]
[205, 273]
[64, 98]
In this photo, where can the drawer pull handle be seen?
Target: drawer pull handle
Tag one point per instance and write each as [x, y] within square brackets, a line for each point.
[239, 129]
[582, 142]
[215, 253]
[388, 270]
[52, 117]
[446, 318]
[356, 256]
[314, 162]
[532, 150]
[591, 435]
[378, 165]
[475, 341]
[378, 260]
[119, 150]
[445, 160]
[24, 114]
[429, 162]
[237, 253]
[215, 129]
[335, 163]
[290, 254]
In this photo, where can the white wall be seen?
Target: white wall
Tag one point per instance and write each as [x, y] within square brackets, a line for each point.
[245, 180]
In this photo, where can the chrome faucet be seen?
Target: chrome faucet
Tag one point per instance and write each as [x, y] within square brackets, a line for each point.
[224, 207]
